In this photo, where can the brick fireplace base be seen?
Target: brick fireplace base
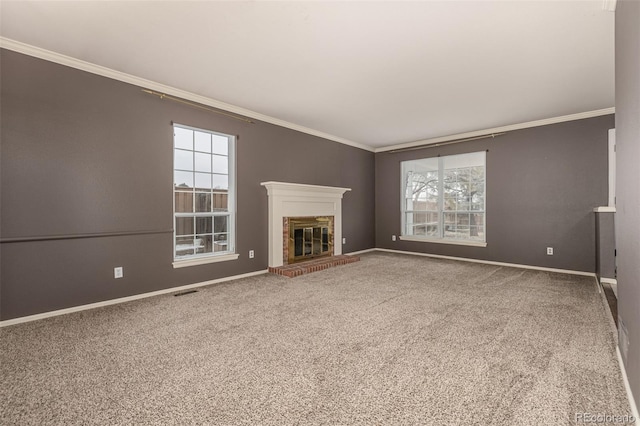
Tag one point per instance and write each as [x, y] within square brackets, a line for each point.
[301, 268]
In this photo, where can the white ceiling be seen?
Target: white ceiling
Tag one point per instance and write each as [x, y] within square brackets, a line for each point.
[375, 73]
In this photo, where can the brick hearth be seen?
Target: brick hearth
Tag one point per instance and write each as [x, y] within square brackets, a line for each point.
[301, 268]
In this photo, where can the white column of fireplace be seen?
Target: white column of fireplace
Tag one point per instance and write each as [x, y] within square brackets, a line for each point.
[298, 200]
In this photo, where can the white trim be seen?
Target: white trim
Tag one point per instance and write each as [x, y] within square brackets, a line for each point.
[625, 379]
[204, 260]
[58, 58]
[296, 199]
[511, 127]
[612, 282]
[609, 6]
[355, 253]
[490, 262]
[604, 209]
[65, 311]
[289, 186]
[442, 241]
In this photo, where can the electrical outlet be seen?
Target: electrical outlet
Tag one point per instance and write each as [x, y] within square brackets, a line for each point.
[550, 251]
[251, 254]
[118, 272]
[393, 238]
[344, 240]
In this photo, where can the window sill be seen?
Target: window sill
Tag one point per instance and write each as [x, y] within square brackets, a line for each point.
[204, 260]
[442, 241]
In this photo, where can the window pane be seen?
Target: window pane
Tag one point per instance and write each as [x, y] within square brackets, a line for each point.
[184, 202]
[203, 141]
[204, 244]
[220, 181]
[220, 164]
[457, 226]
[203, 202]
[203, 162]
[220, 145]
[183, 138]
[220, 242]
[450, 202]
[422, 184]
[462, 219]
[476, 226]
[204, 225]
[203, 181]
[184, 225]
[418, 223]
[220, 224]
[463, 205]
[184, 246]
[183, 160]
[220, 201]
[183, 180]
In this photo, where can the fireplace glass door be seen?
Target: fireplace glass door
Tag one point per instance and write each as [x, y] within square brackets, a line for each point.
[310, 238]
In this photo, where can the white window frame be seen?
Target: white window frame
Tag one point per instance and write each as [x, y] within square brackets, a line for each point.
[441, 238]
[211, 257]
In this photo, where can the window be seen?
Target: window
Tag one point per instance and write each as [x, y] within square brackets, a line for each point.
[204, 201]
[444, 199]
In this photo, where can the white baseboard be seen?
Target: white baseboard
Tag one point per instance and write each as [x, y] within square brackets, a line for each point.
[613, 283]
[355, 253]
[632, 402]
[65, 311]
[490, 262]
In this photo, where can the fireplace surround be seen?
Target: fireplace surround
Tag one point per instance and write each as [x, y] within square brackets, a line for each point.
[294, 200]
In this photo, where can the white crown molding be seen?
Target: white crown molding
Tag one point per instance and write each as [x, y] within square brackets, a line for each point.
[58, 58]
[511, 127]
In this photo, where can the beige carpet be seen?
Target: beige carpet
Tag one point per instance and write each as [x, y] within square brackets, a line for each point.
[392, 339]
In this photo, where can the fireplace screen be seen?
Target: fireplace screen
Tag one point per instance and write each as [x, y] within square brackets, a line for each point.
[309, 237]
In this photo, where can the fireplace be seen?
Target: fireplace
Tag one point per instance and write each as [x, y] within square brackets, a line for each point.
[302, 201]
[306, 238]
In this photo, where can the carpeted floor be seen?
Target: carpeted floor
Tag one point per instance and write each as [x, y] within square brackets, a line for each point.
[392, 339]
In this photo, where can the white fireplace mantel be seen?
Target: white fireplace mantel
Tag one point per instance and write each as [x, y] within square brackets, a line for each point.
[297, 200]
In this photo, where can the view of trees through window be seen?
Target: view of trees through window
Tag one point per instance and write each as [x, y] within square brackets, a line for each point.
[444, 197]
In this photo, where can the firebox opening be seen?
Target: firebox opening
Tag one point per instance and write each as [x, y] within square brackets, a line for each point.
[309, 238]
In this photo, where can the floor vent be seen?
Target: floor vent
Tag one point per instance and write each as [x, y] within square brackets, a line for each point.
[186, 292]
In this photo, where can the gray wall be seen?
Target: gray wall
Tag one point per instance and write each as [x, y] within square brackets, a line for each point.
[84, 154]
[605, 245]
[542, 186]
[628, 181]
